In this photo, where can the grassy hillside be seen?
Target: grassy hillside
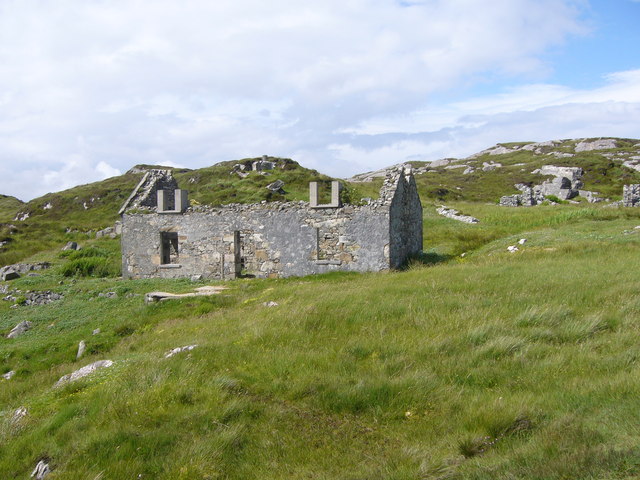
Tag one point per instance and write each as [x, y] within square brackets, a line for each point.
[8, 205]
[494, 365]
[604, 171]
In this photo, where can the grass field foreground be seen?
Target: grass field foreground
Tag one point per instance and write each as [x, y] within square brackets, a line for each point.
[491, 365]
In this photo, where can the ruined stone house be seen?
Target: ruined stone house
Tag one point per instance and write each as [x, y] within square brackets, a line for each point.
[277, 239]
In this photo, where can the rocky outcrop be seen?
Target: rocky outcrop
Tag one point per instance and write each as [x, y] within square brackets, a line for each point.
[565, 185]
[599, 144]
[41, 471]
[18, 269]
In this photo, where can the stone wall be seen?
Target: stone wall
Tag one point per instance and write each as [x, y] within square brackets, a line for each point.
[145, 195]
[631, 195]
[405, 218]
[277, 239]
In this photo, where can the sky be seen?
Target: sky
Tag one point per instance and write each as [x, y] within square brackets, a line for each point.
[90, 88]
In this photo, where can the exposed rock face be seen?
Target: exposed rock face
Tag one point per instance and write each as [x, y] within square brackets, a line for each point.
[83, 372]
[23, 268]
[487, 167]
[564, 186]
[19, 329]
[145, 193]
[262, 165]
[631, 195]
[600, 144]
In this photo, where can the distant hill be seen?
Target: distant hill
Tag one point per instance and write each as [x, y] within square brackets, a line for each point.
[608, 164]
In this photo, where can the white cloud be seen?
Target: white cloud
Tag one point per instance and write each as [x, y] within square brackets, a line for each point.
[198, 82]
[528, 113]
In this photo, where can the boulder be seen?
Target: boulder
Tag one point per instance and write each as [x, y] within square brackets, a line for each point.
[276, 187]
[9, 274]
[83, 372]
[19, 329]
[42, 470]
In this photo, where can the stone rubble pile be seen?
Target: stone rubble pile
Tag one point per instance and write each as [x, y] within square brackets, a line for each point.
[11, 272]
[32, 298]
[19, 329]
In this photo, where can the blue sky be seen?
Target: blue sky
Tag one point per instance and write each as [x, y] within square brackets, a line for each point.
[90, 88]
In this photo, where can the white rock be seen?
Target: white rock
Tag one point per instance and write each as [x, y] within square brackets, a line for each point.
[270, 304]
[177, 350]
[81, 348]
[18, 414]
[42, 470]
[19, 329]
[83, 372]
[600, 144]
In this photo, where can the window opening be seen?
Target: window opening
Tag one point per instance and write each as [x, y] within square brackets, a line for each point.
[168, 248]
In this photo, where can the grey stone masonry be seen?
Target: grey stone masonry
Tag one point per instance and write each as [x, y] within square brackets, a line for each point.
[145, 193]
[631, 195]
[277, 239]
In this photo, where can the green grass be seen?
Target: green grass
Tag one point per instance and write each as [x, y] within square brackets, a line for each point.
[495, 365]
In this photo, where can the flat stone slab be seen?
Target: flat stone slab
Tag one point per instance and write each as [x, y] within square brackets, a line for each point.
[152, 297]
[83, 372]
